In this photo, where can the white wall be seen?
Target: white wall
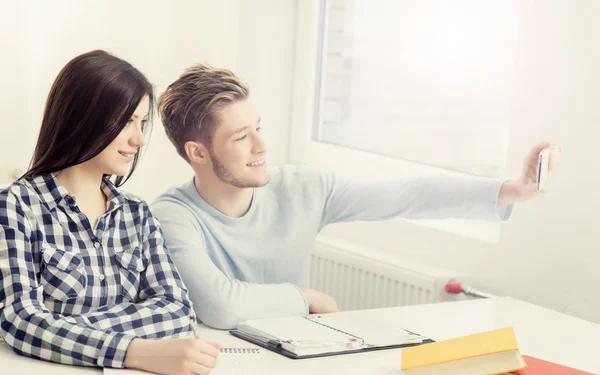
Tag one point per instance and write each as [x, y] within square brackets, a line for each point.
[253, 38]
[13, 107]
[265, 61]
[159, 38]
[549, 252]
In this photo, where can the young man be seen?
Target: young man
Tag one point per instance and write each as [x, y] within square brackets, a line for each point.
[241, 234]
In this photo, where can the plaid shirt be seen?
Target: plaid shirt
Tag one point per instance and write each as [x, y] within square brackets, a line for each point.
[77, 295]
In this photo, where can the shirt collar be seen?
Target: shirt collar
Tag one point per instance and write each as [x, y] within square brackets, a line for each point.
[54, 193]
[50, 190]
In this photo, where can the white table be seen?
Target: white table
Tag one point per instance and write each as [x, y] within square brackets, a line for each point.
[540, 332]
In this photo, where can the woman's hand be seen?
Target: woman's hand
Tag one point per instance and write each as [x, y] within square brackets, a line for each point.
[173, 357]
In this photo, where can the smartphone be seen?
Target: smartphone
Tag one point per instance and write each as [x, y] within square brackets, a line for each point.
[542, 168]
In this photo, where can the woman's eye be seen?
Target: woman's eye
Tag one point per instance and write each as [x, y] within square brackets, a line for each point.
[259, 129]
[242, 138]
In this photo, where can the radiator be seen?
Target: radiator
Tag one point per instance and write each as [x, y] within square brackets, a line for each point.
[360, 279]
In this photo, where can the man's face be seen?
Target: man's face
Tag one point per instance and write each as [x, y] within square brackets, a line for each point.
[238, 151]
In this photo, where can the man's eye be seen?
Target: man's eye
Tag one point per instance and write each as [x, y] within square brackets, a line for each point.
[242, 138]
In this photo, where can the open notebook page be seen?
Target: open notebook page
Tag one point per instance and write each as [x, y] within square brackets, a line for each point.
[292, 329]
[373, 332]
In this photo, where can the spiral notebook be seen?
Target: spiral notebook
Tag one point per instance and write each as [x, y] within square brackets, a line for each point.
[239, 361]
[325, 335]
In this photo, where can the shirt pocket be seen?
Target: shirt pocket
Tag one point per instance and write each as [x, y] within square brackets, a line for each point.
[131, 265]
[63, 276]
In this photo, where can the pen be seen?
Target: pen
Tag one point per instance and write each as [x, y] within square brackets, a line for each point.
[193, 325]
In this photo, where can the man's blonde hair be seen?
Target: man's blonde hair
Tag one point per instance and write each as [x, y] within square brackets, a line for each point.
[190, 106]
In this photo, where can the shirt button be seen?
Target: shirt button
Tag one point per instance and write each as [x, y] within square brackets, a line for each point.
[96, 244]
[101, 277]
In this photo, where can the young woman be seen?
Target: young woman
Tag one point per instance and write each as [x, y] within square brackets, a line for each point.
[85, 278]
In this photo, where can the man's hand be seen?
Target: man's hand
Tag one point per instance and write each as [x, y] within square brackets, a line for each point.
[173, 357]
[319, 303]
[525, 188]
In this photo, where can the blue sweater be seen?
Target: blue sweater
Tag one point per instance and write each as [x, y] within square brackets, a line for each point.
[249, 268]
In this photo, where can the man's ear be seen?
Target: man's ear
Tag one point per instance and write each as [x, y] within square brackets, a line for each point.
[196, 152]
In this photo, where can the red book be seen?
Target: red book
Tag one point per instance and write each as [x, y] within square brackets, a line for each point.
[537, 366]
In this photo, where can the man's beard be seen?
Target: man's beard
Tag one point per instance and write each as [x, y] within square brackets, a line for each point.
[225, 175]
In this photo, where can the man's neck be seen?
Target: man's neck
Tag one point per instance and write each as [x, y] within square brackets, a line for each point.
[229, 200]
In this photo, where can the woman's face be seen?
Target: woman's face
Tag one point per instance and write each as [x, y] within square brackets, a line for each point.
[118, 155]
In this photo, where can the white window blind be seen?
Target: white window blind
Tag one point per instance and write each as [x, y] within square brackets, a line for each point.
[428, 81]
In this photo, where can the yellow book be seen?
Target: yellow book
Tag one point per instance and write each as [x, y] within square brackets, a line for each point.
[489, 353]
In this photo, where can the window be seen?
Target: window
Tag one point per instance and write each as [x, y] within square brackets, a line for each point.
[425, 81]
[397, 87]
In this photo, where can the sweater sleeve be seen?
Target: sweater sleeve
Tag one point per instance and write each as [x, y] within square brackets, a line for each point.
[427, 197]
[219, 301]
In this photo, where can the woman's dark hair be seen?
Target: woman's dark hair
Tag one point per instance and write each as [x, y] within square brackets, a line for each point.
[90, 102]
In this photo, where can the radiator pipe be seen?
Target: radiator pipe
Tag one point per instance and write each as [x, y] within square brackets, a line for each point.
[455, 287]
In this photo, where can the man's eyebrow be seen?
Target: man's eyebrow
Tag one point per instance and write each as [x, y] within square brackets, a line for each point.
[243, 128]
[240, 130]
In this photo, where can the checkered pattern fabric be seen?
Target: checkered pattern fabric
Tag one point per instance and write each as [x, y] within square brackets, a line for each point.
[78, 295]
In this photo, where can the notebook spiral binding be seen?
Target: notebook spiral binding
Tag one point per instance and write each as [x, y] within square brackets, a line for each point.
[240, 350]
[361, 340]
